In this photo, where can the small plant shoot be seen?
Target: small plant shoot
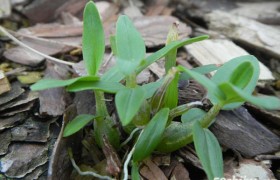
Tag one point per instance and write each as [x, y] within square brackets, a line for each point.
[151, 109]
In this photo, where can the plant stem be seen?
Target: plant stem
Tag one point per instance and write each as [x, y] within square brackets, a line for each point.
[207, 120]
[179, 110]
[131, 81]
[101, 108]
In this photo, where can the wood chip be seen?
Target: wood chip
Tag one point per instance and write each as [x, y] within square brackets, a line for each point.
[265, 12]
[246, 31]
[18, 109]
[253, 138]
[151, 171]
[24, 56]
[23, 159]
[5, 9]
[219, 51]
[54, 101]
[15, 92]
[180, 172]
[5, 140]
[250, 169]
[60, 166]
[4, 83]
[9, 122]
[32, 130]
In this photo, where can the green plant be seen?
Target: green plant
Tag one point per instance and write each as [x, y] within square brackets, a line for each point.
[152, 107]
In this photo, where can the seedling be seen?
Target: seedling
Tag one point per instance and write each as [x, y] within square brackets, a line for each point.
[151, 107]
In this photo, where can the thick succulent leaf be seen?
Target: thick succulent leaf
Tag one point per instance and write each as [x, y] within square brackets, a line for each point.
[229, 73]
[211, 87]
[130, 45]
[53, 83]
[93, 39]
[175, 136]
[106, 127]
[109, 87]
[192, 115]
[151, 135]
[77, 124]
[266, 102]
[128, 102]
[209, 151]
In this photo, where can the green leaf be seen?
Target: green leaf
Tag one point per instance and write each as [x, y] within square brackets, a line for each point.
[109, 87]
[130, 46]
[54, 83]
[113, 45]
[165, 50]
[151, 88]
[201, 69]
[230, 72]
[175, 136]
[93, 39]
[211, 87]
[114, 74]
[242, 75]
[266, 102]
[192, 115]
[77, 124]
[128, 102]
[170, 99]
[151, 135]
[106, 127]
[209, 151]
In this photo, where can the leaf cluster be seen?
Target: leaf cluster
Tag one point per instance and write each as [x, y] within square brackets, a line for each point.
[153, 106]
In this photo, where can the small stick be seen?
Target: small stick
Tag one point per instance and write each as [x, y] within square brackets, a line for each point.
[5, 32]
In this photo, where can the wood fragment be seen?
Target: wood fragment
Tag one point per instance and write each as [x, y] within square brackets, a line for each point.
[4, 83]
[5, 9]
[54, 101]
[239, 131]
[151, 171]
[246, 31]
[219, 51]
[264, 12]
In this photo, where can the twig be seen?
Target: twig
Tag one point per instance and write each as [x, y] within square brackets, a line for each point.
[130, 137]
[4, 31]
[85, 173]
